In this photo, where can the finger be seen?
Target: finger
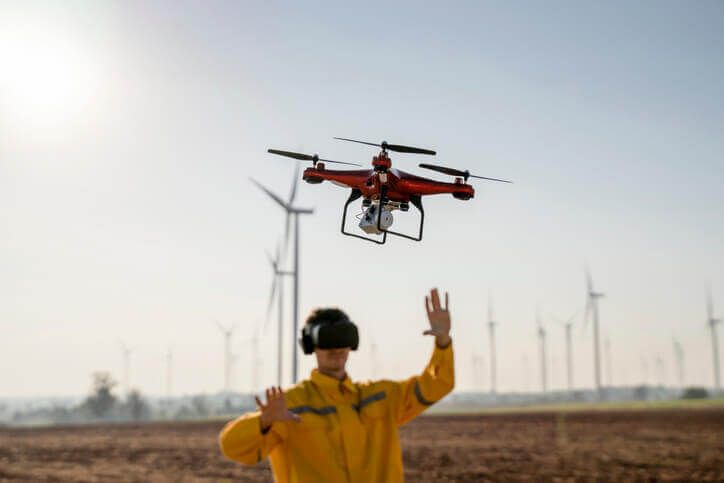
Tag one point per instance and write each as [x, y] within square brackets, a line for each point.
[447, 301]
[430, 332]
[258, 402]
[427, 305]
[268, 393]
[435, 299]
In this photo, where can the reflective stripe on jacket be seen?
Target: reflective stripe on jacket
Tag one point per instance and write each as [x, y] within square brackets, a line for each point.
[348, 431]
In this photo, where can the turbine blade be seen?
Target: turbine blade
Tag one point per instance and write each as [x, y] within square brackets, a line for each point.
[294, 186]
[589, 281]
[490, 307]
[270, 303]
[286, 232]
[271, 195]
[586, 314]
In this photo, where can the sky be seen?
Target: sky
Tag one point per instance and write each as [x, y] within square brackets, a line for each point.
[129, 132]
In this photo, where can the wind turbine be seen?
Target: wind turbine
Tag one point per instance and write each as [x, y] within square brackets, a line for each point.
[542, 337]
[592, 308]
[569, 351]
[714, 341]
[609, 364]
[679, 358]
[277, 281]
[256, 360]
[291, 212]
[227, 333]
[126, 354]
[169, 362]
[491, 330]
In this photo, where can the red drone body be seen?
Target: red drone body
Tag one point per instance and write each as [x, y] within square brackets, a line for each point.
[384, 188]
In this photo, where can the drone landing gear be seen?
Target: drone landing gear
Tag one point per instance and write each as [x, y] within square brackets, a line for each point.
[415, 200]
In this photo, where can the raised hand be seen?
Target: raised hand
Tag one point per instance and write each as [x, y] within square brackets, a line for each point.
[275, 408]
[438, 317]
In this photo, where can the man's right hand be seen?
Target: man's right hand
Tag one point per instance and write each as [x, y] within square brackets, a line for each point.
[275, 408]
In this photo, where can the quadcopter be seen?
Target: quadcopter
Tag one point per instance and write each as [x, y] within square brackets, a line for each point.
[384, 189]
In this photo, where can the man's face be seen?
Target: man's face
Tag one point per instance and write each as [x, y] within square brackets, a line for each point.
[331, 360]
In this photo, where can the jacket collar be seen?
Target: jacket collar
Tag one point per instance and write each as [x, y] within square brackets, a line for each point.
[328, 383]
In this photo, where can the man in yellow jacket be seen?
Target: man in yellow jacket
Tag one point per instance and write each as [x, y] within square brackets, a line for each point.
[330, 429]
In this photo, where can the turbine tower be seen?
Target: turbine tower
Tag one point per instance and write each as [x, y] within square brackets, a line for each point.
[609, 363]
[592, 308]
[227, 333]
[169, 362]
[542, 338]
[569, 352]
[277, 281]
[491, 329]
[714, 341]
[126, 354]
[679, 358]
[291, 212]
[255, 359]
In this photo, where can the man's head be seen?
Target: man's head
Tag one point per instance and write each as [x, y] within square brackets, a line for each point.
[330, 335]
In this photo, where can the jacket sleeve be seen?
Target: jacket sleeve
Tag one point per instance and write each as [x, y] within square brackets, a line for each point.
[419, 392]
[242, 440]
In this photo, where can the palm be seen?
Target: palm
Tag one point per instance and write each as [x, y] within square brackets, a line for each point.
[438, 316]
[275, 408]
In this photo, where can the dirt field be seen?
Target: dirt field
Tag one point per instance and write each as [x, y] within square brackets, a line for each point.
[581, 446]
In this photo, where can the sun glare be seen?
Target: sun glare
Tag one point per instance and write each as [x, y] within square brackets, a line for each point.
[44, 77]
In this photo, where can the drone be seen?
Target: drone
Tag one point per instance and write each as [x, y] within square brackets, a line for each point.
[384, 189]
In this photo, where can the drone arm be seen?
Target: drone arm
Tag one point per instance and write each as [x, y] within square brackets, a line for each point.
[423, 186]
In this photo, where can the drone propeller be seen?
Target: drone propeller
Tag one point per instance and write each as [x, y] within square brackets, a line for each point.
[456, 172]
[393, 147]
[307, 157]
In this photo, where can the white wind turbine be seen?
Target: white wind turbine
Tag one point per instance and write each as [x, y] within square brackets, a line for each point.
[491, 330]
[542, 340]
[714, 340]
[294, 212]
[592, 308]
[277, 289]
[567, 325]
[227, 333]
[679, 358]
[126, 354]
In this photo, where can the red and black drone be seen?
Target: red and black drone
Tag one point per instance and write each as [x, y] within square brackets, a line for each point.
[384, 188]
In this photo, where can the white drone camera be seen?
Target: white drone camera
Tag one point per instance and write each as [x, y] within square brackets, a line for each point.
[369, 219]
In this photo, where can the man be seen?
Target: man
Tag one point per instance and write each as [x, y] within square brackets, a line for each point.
[329, 429]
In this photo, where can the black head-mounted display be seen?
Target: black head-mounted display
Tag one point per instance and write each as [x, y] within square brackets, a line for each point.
[329, 335]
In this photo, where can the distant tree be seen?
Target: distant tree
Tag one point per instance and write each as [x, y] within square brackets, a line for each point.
[641, 393]
[198, 403]
[101, 401]
[695, 393]
[136, 406]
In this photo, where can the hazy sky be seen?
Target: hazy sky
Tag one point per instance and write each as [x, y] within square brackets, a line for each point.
[128, 132]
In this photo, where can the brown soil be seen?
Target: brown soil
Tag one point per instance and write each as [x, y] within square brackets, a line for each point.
[595, 446]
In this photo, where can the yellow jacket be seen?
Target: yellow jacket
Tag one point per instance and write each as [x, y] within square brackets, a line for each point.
[348, 431]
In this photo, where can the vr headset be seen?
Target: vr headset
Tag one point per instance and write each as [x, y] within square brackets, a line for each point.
[335, 335]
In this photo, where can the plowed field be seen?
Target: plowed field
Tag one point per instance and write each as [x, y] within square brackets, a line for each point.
[578, 446]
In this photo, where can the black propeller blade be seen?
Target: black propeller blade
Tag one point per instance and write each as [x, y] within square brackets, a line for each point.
[456, 172]
[307, 157]
[393, 147]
